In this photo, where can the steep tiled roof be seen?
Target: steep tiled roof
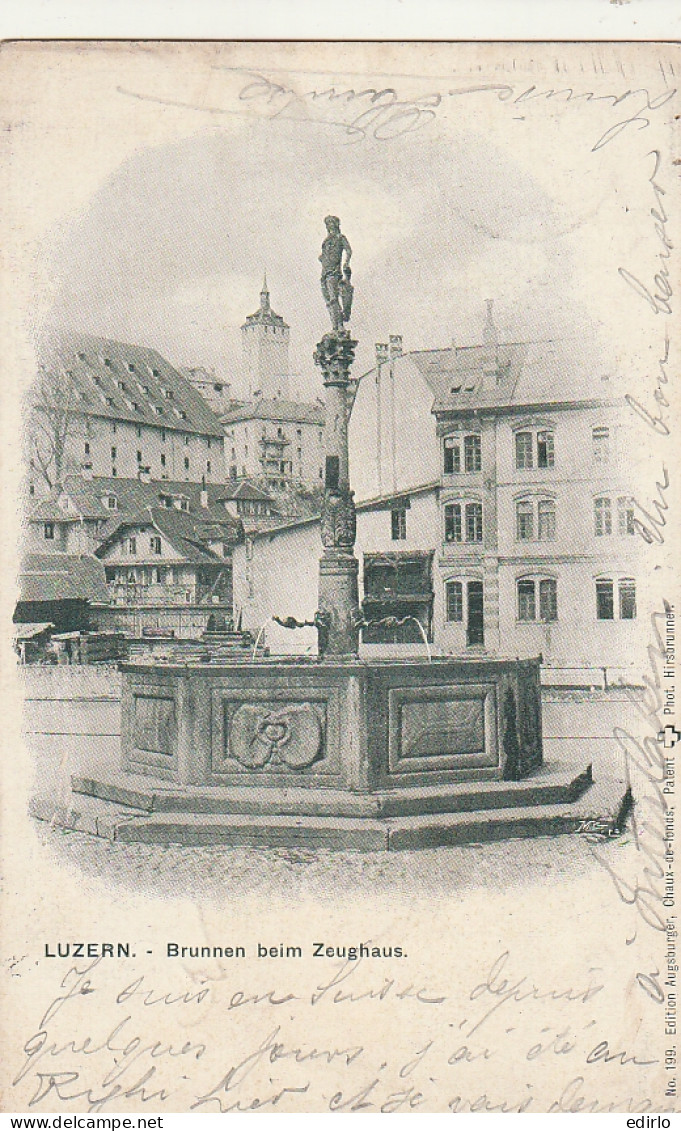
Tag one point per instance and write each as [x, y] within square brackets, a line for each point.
[185, 532]
[512, 374]
[132, 495]
[127, 382]
[244, 489]
[265, 316]
[293, 412]
[60, 577]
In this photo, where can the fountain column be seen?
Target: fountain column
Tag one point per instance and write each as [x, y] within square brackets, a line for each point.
[338, 613]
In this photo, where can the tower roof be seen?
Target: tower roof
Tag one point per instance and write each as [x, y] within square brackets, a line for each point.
[265, 316]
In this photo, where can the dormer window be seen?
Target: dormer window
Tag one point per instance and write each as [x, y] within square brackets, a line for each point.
[121, 384]
[110, 502]
[108, 362]
[131, 366]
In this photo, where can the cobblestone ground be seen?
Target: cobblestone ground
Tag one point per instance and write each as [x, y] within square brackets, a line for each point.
[219, 874]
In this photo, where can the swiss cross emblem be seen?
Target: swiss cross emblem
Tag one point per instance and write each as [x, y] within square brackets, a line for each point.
[669, 736]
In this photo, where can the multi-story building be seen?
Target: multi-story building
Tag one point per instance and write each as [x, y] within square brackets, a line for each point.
[117, 410]
[271, 437]
[279, 442]
[495, 505]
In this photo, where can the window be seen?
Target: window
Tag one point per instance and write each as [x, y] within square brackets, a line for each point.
[605, 598]
[537, 596]
[139, 457]
[453, 522]
[474, 522]
[600, 445]
[186, 463]
[132, 545]
[112, 502]
[625, 516]
[163, 459]
[155, 544]
[208, 467]
[548, 599]
[523, 449]
[186, 441]
[87, 448]
[525, 443]
[398, 523]
[527, 609]
[454, 600]
[602, 517]
[627, 595]
[605, 608]
[113, 453]
[156, 575]
[163, 435]
[48, 530]
[546, 520]
[139, 428]
[452, 456]
[121, 384]
[472, 452]
[524, 521]
[545, 454]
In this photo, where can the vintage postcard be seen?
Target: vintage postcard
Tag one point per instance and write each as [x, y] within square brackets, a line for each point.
[340, 568]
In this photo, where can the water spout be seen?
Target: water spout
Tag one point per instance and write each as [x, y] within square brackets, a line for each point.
[259, 636]
[422, 630]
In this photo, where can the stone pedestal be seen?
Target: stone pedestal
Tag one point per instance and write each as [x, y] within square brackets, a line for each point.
[338, 613]
[338, 604]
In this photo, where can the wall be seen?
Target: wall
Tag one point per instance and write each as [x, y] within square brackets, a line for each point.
[243, 451]
[127, 439]
[403, 452]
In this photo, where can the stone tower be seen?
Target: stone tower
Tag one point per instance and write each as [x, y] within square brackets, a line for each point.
[264, 339]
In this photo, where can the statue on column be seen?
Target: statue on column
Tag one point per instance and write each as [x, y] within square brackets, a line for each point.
[336, 274]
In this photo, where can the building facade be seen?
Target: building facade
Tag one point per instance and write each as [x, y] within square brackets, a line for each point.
[111, 409]
[280, 443]
[494, 490]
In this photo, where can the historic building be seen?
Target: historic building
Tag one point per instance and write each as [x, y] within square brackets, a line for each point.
[168, 568]
[111, 409]
[271, 437]
[79, 512]
[494, 505]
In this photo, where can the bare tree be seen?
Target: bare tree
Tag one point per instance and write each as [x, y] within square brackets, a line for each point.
[55, 419]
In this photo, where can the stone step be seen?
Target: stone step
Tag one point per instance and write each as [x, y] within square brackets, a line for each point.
[600, 809]
[551, 785]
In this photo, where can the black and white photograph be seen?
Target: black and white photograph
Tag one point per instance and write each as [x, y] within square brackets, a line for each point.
[342, 539]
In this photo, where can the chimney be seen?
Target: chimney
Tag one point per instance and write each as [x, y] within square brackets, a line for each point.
[382, 353]
[204, 493]
[395, 346]
[490, 361]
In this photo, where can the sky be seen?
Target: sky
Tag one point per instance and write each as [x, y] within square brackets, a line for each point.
[171, 248]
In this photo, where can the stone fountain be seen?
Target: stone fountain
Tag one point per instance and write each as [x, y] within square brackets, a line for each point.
[334, 751]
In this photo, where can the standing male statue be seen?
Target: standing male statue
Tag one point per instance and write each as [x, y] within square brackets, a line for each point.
[336, 286]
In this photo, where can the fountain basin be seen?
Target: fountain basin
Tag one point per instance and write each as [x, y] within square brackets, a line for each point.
[332, 724]
[337, 754]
